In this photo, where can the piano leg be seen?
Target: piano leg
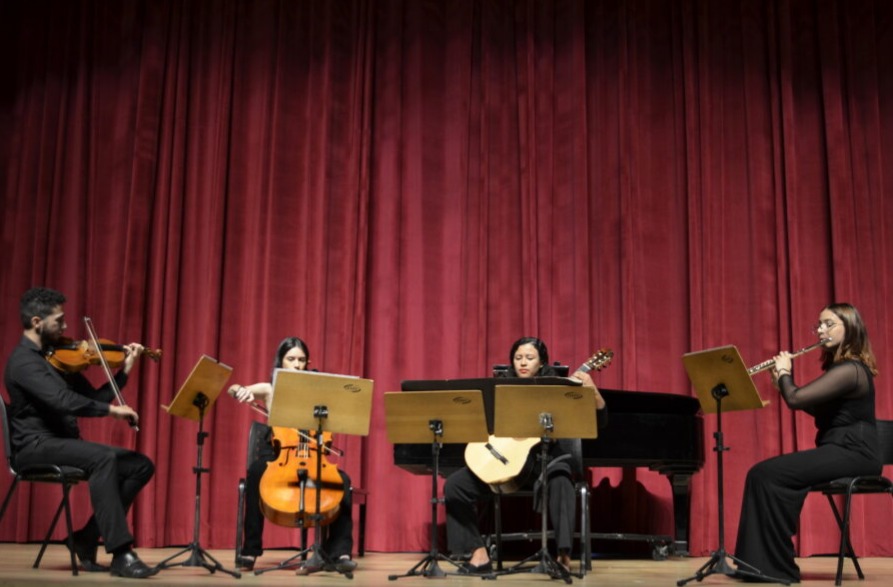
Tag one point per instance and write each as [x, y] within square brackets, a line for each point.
[680, 483]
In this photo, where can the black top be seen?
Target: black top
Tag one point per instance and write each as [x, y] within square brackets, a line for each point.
[47, 402]
[842, 402]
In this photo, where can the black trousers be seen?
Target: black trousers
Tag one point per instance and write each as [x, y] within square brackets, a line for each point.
[463, 490]
[116, 477]
[774, 493]
[339, 534]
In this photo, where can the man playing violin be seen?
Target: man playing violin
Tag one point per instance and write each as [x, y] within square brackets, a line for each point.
[43, 420]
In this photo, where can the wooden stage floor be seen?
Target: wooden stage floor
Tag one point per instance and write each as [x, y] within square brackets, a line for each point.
[374, 569]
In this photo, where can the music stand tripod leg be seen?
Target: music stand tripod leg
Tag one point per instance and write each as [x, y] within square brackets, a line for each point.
[546, 564]
[325, 562]
[198, 556]
[428, 566]
[294, 561]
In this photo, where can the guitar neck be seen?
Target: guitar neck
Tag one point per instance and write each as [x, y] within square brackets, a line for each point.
[597, 362]
[585, 368]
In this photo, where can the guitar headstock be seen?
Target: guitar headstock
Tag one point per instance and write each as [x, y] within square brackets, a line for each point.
[598, 361]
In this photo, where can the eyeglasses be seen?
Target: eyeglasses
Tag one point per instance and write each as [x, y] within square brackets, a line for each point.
[824, 324]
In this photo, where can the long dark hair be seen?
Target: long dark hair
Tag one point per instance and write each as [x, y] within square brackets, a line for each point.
[540, 346]
[286, 345]
[855, 344]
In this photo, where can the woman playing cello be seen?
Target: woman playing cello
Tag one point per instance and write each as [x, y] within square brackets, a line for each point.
[291, 354]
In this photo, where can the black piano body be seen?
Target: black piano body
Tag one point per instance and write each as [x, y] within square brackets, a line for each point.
[661, 431]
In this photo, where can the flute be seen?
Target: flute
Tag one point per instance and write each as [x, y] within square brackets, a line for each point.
[771, 362]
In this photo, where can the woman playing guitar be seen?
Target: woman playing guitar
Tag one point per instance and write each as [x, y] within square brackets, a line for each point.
[529, 357]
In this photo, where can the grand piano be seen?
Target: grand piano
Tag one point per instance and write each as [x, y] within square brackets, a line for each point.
[661, 431]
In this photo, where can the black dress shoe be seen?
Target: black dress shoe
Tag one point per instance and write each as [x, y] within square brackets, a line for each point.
[245, 562]
[470, 569]
[344, 565]
[750, 577]
[313, 565]
[128, 564]
[86, 552]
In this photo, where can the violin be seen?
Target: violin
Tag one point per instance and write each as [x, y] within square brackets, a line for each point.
[95, 349]
[289, 486]
[73, 356]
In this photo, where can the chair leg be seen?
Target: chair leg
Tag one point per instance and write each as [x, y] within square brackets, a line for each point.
[846, 546]
[8, 498]
[361, 550]
[585, 532]
[69, 540]
[46, 539]
[240, 521]
[497, 513]
[70, 529]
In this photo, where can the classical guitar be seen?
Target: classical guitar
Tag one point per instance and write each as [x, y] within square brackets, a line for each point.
[505, 463]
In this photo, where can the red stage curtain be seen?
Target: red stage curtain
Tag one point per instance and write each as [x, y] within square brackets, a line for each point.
[412, 185]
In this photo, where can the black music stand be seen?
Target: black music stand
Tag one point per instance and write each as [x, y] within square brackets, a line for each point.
[719, 375]
[308, 400]
[195, 398]
[453, 417]
[550, 412]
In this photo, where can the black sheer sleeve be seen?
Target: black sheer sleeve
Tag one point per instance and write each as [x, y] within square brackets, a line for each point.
[843, 380]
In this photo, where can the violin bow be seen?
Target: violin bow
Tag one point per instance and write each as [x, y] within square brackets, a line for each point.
[106, 369]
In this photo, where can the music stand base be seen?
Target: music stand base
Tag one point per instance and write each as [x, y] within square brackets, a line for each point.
[288, 563]
[325, 563]
[545, 564]
[428, 567]
[198, 557]
[718, 565]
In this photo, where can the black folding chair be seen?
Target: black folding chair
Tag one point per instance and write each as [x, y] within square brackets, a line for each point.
[65, 476]
[850, 486]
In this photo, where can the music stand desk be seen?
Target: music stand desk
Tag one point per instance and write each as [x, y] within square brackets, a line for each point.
[461, 413]
[518, 409]
[207, 377]
[722, 366]
[296, 394]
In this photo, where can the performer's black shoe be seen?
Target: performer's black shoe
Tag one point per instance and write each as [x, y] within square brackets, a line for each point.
[86, 551]
[245, 562]
[127, 564]
[313, 565]
[470, 569]
[344, 564]
[748, 577]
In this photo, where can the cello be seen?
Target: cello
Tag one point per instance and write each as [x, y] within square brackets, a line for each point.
[300, 473]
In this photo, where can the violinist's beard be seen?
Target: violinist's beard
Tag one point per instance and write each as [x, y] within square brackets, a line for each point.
[47, 338]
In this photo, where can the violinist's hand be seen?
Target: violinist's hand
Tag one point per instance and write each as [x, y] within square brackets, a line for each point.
[588, 382]
[132, 350]
[124, 413]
